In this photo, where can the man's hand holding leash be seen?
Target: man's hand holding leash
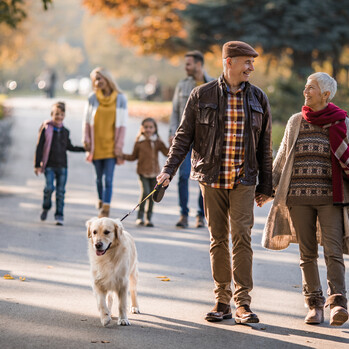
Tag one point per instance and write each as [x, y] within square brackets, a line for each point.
[163, 178]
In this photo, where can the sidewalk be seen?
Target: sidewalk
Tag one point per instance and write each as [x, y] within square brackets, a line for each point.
[55, 308]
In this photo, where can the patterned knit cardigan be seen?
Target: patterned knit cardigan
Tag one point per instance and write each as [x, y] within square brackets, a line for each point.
[278, 231]
[120, 122]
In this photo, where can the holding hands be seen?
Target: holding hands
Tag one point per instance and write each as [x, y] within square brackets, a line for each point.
[261, 199]
[37, 170]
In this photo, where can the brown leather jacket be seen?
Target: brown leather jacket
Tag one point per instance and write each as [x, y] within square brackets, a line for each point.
[202, 126]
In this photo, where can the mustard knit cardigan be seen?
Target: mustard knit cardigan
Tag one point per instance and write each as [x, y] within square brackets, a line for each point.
[121, 116]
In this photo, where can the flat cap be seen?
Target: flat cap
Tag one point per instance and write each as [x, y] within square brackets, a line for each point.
[238, 48]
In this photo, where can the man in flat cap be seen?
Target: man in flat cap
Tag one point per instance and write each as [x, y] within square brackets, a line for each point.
[228, 121]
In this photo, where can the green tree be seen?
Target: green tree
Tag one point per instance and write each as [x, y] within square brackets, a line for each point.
[12, 12]
[305, 30]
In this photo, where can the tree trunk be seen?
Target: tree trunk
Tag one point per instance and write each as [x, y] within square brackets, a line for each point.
[302, 63]
[336, 66]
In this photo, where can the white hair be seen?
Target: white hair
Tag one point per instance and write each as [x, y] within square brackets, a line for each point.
[326, 83]
[225, 62]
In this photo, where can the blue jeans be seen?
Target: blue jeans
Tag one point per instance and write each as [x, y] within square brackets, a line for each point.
[104, 167]
[183, 188]
[60, 174]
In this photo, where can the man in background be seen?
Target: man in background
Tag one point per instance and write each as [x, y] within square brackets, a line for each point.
[196, 75]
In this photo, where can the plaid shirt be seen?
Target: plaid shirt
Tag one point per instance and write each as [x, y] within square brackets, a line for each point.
[233, 147]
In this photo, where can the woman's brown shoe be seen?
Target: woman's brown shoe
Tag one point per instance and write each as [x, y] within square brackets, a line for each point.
[338, 306]
[104, 211]
[315, 316]
[339, 316]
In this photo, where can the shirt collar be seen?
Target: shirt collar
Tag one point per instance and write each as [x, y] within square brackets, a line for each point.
[227, 89]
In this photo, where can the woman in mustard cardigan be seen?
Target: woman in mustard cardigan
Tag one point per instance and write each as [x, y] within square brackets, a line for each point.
[104, 129]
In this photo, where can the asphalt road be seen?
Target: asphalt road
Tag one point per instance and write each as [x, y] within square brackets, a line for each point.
[54, 306]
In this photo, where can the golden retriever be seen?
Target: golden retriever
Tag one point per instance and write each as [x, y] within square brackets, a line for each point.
[113, 259]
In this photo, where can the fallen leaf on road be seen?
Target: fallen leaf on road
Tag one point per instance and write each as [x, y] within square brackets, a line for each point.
[163, 278]
[105, 342]
[22, 278]
[8, 277]
[263, 328]
[83, 319]
[94, 341]
[296, 286]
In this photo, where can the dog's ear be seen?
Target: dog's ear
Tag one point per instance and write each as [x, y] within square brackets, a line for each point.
[88, 226]
[118, 228]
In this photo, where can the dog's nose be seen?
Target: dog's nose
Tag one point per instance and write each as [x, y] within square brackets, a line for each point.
[99, 245]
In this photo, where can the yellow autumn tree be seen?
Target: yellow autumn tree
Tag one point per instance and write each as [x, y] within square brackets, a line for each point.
[153, 26]
[11, 42]
[42, 40]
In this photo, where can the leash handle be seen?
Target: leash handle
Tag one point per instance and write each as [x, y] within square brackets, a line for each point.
[159, 192]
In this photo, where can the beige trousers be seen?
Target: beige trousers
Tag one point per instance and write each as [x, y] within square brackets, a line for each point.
[332, 227]
[230, 212]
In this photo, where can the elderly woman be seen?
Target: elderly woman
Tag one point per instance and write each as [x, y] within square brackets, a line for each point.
[104, 128]
[310, 181]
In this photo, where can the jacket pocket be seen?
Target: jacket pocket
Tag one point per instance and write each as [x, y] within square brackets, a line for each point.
[257, 117]
[207, 112]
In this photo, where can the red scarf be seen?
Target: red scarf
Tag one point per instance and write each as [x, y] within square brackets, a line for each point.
[333, 118]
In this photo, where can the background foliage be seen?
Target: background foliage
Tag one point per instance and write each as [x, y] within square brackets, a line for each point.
[307, 31]
[139, 38]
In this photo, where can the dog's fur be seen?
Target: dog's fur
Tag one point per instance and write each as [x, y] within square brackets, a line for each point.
[113, 259]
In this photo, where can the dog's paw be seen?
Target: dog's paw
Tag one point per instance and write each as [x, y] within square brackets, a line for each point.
[124, 322]
[105, 320]
[135, 310]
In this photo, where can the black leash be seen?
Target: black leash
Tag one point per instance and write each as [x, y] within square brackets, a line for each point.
[159, 190]
[138, 205]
